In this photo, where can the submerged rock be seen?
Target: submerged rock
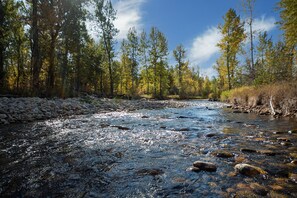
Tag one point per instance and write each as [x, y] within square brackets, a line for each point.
[249, 170]
[210, 135]
[247, 150]
[205, 166]
[223, 154]
[259, 189]
[151, 172]
[267, 152]
[292, 131]
[293, 178]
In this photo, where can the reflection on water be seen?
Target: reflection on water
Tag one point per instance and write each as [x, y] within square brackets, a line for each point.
[146, 154]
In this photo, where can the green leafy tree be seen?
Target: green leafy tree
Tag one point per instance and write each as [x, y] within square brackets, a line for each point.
[133, 45]
[233, 35]
[179, 54]
[105, 16]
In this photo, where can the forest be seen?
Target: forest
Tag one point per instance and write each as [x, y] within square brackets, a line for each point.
[47, 51]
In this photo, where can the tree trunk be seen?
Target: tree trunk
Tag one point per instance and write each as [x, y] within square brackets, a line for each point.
[155, 79]
[78, 69]
[65, 69]
[110, 75]
[228, 67]
[252, 48]
[35, 59]
[2, 48]
[51, 68]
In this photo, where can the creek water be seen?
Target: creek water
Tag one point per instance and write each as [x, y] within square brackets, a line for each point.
[146, 153]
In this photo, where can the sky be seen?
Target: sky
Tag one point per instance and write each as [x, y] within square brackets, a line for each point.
[192, 23]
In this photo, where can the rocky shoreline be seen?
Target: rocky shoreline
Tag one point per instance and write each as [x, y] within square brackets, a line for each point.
[23, 110]
[287, 108]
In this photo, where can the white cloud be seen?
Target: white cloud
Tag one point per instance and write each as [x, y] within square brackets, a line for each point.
[128, 15]
[204, 46]
[264, 24]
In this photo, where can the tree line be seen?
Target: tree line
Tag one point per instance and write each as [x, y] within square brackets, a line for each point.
[46, 50]
[265, 61]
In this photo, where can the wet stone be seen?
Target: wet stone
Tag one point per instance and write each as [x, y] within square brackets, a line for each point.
[247, 150]
[259, 189]
[223, 154]
[182, 117]
[236, 111]
[249, 170]
[292, 131]
[283, 139]
[193, 169]
[205, 166]
[267, 152]
[285, 143]
[123, 128]
[210, 135]
[294, 162]
[144, 117]
[182, 129]
[293, 177]
[278, 132]
[151, 172]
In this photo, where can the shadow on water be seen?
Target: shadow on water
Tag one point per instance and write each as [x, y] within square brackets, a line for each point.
[146, 153]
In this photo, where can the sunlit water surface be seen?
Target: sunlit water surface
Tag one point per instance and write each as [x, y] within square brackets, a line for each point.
[144, 153]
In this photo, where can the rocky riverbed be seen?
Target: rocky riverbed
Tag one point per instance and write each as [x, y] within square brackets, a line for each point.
[201, 150]
[22, 110]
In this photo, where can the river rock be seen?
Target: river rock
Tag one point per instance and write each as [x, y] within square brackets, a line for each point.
[283, 139]
[247, 150]
[267, 152]
[122, 128]
[205, 166]
[223, 154]
[3, 116]
[292, 131]
[293, 177]
[151, 172]
[210, 135]
[294, 162]
[249, 170]
[259, 189]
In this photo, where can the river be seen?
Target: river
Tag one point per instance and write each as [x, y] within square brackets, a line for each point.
[147, 153]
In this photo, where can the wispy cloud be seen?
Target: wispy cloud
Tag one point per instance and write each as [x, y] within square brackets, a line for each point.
[128, 15]
[204, 46]
[264, 24]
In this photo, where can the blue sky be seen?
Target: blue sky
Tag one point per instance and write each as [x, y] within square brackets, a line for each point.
[192, 23]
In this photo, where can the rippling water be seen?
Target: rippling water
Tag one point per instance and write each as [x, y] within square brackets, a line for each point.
[146, 153]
